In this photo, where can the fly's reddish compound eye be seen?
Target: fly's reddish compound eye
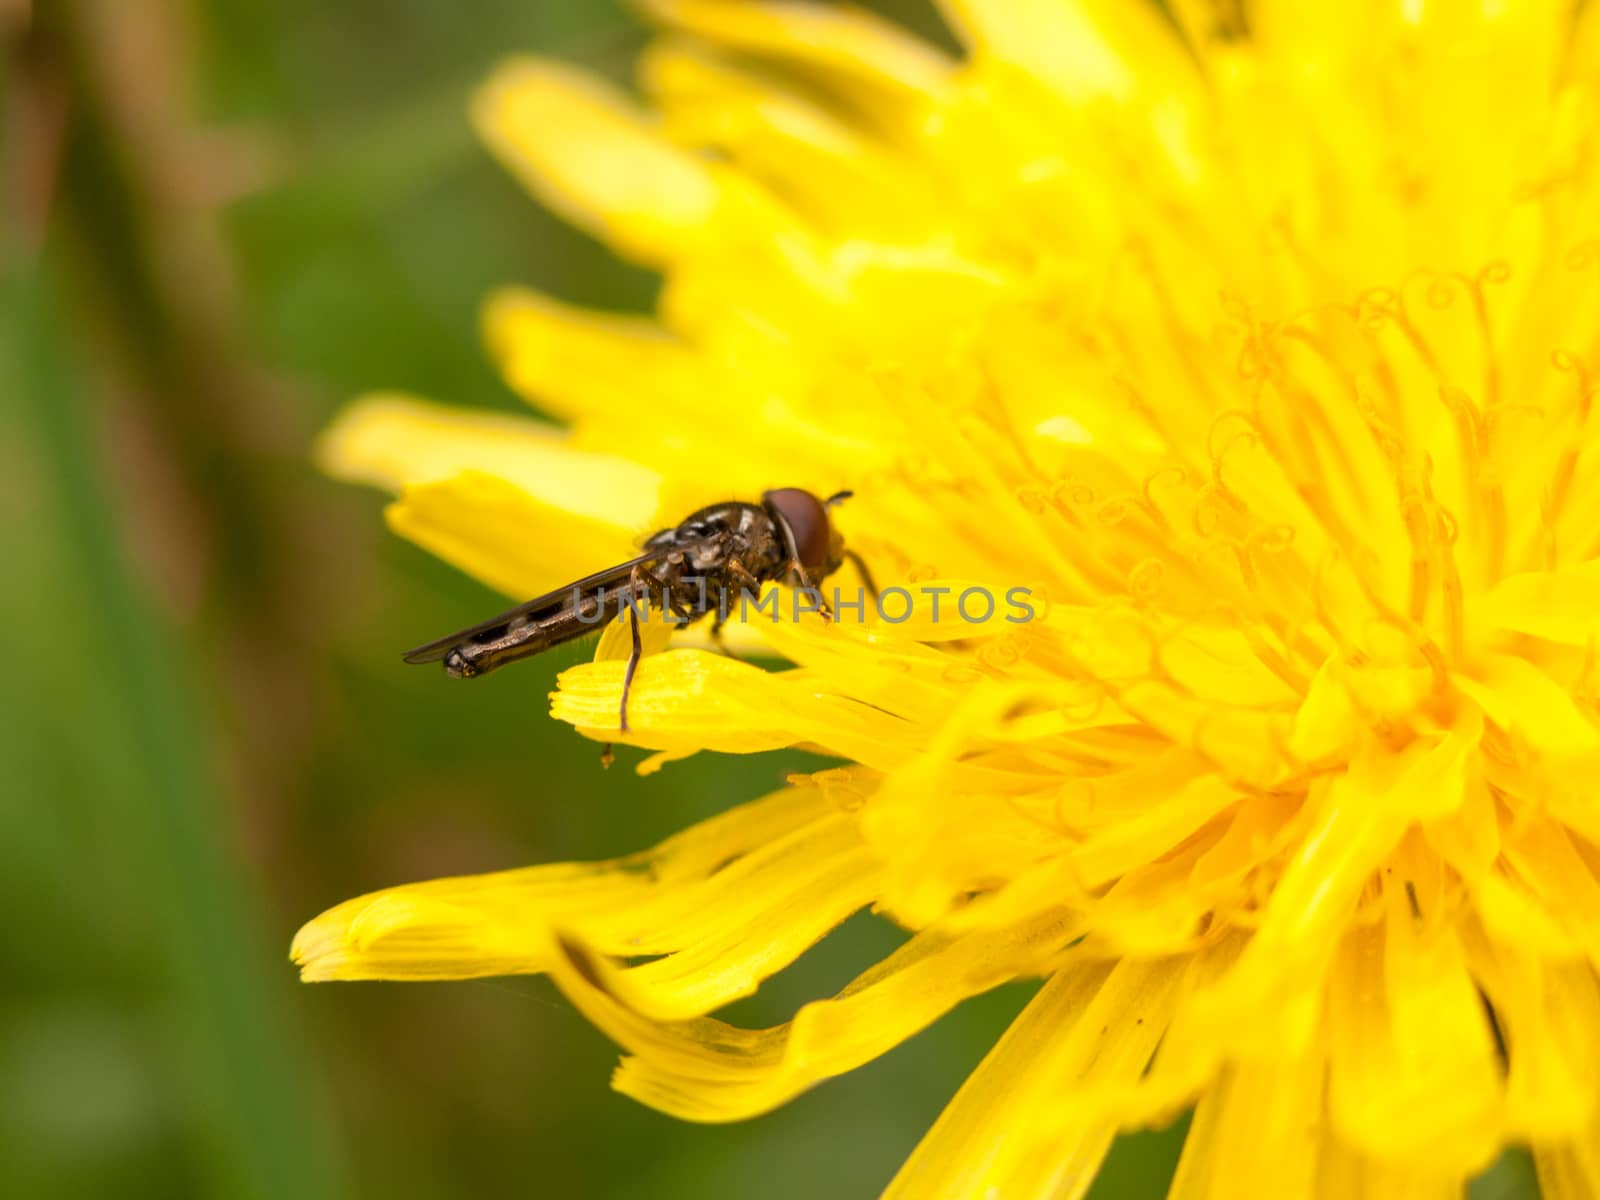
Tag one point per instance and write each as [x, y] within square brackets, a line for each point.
[806, 520]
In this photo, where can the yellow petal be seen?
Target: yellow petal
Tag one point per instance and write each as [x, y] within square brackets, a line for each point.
[1254, 1133]
[1524, 701]
[1270, 1004]
[496, 532]
[460, 928]
[706, 1070]
[904, 677]
[1562, 605]
[591, 366]
[1212, 28]
[829, 173]
[1155, 909]
[1510, 914]
[1469, 839]
[1546, 860]
[748, 921]
[1550, 1017]
[840, 44]
[1570, 1170]
[1413, 1072]
[1163, 824]
[1033, 1121]
[391, 441]
[500, 923]
[1083, 48]
[1343, 1171]
[585, 151]
[655, 633]
[687, 700]
[1326, 724]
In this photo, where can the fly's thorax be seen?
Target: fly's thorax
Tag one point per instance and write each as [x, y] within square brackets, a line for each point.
[713, 538]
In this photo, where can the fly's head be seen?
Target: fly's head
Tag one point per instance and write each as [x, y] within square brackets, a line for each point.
[808, 536]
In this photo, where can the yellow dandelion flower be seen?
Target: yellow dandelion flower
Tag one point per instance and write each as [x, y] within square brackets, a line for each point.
[1261, 343]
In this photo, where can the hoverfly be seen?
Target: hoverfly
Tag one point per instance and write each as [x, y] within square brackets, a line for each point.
[695, 568]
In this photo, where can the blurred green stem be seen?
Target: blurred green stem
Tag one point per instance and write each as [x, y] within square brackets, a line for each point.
[151, 761]
[244, 1089]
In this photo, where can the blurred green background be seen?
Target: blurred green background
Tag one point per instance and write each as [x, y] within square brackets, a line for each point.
[221, 219]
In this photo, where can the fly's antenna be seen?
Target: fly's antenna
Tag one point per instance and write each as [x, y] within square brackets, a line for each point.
[837, 498]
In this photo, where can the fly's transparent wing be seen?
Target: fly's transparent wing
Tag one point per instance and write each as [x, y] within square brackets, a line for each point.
[533, 610]
[554, 617]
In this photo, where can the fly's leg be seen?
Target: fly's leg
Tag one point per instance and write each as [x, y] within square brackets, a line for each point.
[720, 639]
[671, 598]
[860, 564]
[635, 654]
[748, 584]
[805, 582]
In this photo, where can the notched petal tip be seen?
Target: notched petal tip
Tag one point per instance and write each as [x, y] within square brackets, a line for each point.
[336, 944]
[355, 447]
[837, 45]
[311, 950]
[585, 150]
[610, 374]
[407, 934]
[392, 439]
